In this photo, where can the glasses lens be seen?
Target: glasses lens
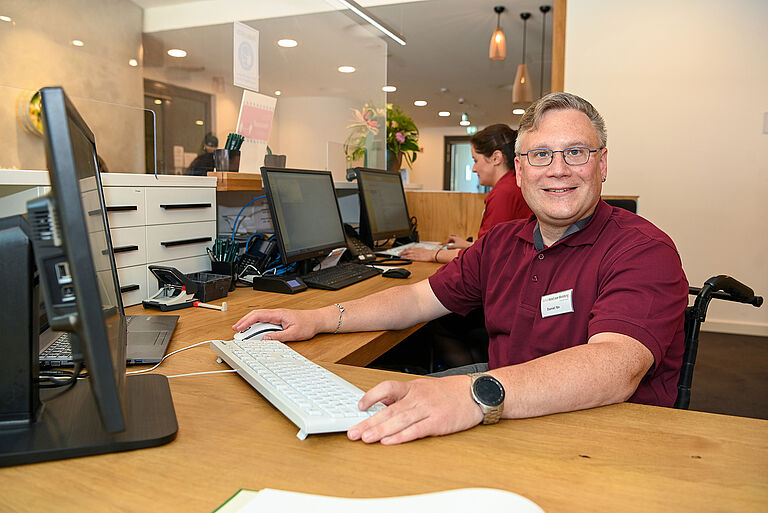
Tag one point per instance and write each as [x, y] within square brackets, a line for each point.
[540, 157]
[576, 156]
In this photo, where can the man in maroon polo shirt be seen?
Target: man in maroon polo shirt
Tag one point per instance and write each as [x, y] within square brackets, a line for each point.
[584, 305]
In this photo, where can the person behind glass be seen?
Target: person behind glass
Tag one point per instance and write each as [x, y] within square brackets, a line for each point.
[493, 150]
[204, 162]
[584, 303]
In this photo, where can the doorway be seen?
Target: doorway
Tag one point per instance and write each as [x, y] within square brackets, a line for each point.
[182, 117]
[458, 175]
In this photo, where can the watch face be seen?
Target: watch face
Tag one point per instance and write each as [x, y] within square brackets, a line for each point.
[488, 390]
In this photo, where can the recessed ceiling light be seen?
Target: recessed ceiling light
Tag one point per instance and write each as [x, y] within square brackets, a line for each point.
[278, 93]
[420, 103]
[287, 43]
[389, 89]
[199, 122]
[133, 62]
[464, 122]
[158, 101]
[347, 69]
[443, 113]
[77, 42]
[6, 18]
[518, 112]
[177, 52]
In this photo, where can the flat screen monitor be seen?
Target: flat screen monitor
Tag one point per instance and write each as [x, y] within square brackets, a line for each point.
[383, 210]
[104, 412]
[304, 211]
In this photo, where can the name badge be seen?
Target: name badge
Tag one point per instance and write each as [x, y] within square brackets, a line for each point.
[557, 303]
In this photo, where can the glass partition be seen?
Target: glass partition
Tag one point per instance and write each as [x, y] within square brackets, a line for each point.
[116, 73]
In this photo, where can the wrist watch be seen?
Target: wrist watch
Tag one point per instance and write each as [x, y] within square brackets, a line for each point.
[488, 393]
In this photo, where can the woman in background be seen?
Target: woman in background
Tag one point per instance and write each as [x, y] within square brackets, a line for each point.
[493, 150]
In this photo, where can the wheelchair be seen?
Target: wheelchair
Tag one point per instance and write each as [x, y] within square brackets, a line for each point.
[717, 287]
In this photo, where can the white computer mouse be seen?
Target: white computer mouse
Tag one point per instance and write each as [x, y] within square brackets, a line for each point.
[257, 330]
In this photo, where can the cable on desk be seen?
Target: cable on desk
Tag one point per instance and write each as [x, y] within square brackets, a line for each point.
[166, 356]
[200, 373]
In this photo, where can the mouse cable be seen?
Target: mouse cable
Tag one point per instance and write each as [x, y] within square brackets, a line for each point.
[166, 356]
[201, 373]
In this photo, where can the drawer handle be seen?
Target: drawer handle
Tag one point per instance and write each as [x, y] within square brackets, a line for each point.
[129, 288]
[177, 206]
[122, 208]
[124, 249]
[187, 241]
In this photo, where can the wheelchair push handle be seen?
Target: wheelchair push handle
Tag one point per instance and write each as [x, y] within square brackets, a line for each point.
[729, 289]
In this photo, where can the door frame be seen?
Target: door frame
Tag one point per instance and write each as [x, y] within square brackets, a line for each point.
[449, 140]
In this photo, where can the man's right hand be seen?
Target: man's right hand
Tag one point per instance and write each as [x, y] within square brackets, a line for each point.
[297, 324]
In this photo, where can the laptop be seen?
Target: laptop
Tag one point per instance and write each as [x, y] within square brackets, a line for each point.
[148, 338]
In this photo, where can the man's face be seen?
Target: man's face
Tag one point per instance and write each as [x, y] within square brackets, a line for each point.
[560, 194]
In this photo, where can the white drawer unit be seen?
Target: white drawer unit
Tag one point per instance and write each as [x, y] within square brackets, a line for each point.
[168, 220]
[129, 245]
[179, 240]
[133, 284]
[125, 206]
[180, 205]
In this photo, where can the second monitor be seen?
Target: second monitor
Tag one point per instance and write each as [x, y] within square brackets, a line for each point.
[383, 210]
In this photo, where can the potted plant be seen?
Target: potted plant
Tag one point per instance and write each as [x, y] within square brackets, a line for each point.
[402, 138]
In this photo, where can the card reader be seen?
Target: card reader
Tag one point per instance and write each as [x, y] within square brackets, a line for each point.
[281, 284]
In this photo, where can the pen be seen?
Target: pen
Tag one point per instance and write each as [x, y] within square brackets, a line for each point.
[210, 254]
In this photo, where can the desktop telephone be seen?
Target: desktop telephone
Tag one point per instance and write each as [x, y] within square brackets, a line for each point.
[258, 255]
[357, 251]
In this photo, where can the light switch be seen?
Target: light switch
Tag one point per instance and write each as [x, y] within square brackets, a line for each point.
[765, 122]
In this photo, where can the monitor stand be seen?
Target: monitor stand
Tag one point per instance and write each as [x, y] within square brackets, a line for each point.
[69, 424]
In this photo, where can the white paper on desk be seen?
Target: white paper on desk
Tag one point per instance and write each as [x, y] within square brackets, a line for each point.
[254, 122]
[331, 260]
[449, 501]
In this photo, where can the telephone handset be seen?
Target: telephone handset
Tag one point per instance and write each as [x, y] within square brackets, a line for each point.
[357, 251]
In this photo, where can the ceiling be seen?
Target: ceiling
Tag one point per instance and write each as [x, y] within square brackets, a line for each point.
[445, 61]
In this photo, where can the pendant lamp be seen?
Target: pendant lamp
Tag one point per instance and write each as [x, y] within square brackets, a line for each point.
[498, 49]
[521, 90]
[544, 10]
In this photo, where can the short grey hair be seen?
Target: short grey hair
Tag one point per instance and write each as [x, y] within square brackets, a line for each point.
[559, 101]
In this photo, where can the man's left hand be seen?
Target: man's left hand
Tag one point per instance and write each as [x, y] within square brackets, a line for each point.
[419, 254]
[416, 409]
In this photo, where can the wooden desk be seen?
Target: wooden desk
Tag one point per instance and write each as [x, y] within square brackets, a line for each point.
[624, 457]
[198, 324]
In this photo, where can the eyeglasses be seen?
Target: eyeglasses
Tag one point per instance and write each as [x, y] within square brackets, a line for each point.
[576, 156]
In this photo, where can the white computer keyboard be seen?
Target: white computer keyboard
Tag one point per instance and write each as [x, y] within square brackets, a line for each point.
[312, 397]
[424, 245]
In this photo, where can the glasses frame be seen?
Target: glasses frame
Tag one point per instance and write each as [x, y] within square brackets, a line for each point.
[561, 152]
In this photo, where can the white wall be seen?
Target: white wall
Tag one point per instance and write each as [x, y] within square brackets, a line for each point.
[35, 52]
[683, 87]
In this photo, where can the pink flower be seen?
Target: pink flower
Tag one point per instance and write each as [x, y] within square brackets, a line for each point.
[400, 137]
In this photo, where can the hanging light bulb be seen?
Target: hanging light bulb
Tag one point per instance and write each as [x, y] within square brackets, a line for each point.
[521, 90]
[464, 120]
[498, 49]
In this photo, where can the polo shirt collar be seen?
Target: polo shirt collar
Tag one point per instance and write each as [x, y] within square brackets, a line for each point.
[587, 229]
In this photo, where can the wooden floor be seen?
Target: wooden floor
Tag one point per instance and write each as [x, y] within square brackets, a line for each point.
[731, 375]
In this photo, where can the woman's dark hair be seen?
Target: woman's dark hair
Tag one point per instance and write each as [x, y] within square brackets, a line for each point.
[496, 137]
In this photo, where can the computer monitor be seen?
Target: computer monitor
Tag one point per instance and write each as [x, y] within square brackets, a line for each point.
[383, 210]
[74, 257]
[304, 211]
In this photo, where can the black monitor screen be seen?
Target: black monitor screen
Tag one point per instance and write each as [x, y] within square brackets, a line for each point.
[78, 273]
[383, 211]
[304, 212]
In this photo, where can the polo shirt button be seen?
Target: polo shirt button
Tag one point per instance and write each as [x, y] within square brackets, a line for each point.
[535, 278]
[541, 257]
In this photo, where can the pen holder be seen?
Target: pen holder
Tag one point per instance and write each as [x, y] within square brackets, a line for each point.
[227, 160]
[227, 269]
